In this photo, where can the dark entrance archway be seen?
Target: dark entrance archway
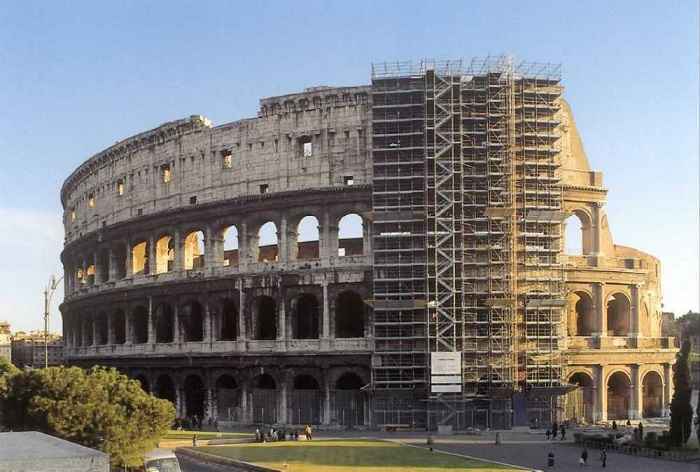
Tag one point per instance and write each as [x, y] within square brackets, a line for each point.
[194, 396]
[652, 395]
[191, 320]
[227, 398]
[349, 316]
[165, 388]
[164, 323]
[305, 401]
[619, 391]
[228, 321]
[265, 320]
[264, 398]
[139, 323]
[305, 317]
[349, 401]
[580, 403]
[144, 383]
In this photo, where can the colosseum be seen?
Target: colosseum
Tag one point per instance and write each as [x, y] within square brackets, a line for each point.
[383, 255]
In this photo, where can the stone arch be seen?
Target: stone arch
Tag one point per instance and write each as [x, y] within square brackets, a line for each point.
[652, 395]
[119, 326]
[101, 329]
[307, 238]
[191, 318]
[305, 317]
[139, 258]
[165, 388]
[306, 400]
[264, 399]
[578, 232]
[348, 400]
[228, 397]
[164, 323]
[582, 319]
[195, 396]
[580, 403]
[349, 315]
[264, 318]
[143, 381]
[227, 325]
[232, 248]
[139, 324]
[618, 310]
[619, 392]
[194, 250]
[165, 254]
[266, 248]
[351, 235]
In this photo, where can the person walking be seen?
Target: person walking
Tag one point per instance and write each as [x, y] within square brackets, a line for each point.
[563, 433]
[614, 425]
[604, 457]
[555, 430]
[548, 433]
[584, 457]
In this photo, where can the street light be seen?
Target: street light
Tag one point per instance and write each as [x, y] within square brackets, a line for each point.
[48, 294]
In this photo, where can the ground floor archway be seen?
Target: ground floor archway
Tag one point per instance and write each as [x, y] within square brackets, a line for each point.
[619, 396]
[195, 396]
[652, 395]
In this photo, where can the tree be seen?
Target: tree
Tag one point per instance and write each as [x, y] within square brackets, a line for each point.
[681, 409]
[99, 408]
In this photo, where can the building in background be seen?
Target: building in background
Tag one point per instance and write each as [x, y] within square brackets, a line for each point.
[5, 340]
[29, 349]
[435, 289]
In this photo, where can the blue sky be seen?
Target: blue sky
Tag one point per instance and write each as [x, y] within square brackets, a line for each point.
[77, 76]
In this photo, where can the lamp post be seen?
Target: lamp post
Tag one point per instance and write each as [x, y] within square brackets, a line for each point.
[48, 294]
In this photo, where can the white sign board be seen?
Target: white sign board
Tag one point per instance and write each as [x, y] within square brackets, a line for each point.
[446, 363]
[455, 388]
[445, 379]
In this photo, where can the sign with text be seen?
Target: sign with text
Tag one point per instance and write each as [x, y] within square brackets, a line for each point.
[446, 363]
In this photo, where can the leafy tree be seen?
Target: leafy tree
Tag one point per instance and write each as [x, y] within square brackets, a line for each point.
[99, 408]
[681, 409]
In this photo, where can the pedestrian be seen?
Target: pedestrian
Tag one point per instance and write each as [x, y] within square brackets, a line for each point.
[614, 425]
[584, 457]
[629, 423]
[548, 433]
[258, 436]
[555, 430]
[604, 457]
[550, 459]
[641, 431]
[563, 433]
[194, 440]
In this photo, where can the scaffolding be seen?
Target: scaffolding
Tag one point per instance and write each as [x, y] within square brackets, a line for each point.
[467, 232]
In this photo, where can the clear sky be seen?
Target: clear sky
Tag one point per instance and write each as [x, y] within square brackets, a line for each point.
[77, 76]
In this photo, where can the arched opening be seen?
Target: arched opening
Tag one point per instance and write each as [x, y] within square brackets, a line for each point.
[349, 315]
[143, 381]
[227, 398]
[306, 400]
[90, 274]
[228, 321]
[139, 258]
[139, 324]
[265, 318]
[119, 327]
[103, 265]
[307, 238]
[582, 321]
[350, 235]
[165, 322]
[264, 398]
[349, 402]
[305, 317]
[194, 250]
[231, 247]
[192, 321]
[165, 388]
[88, 339]
[101, 329]
[268, 250]
[573, 235]
[652, 395]
[619, 390]
[580, 403]
[194, 396]
[618, 309]
[165, 254]
[120, 261]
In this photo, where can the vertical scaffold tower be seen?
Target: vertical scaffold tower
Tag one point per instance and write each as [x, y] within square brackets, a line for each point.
[467, 228]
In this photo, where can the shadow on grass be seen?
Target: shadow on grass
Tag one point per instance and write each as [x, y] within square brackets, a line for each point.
[350, 454]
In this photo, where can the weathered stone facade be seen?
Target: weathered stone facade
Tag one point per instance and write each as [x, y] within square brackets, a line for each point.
[280, 332]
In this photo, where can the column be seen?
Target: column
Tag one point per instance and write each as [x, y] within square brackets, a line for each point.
[326, 312]
[323, 237]
[129, 265]
[95, 264]
[152, 265]
[600, 309]
[366, 236]
[635, 412]
[128, 332]
[241, 310]
[243, 247]
[151, 331]
[85, 276]
[282, 321]
[209, 403]
[327, 402]
[244, 404]
[112, 275]
[179, 403]
[668, 389]
[332, 241]
[282, 417]
[176, 322]
[595, 228]
[110, 328]
[634, 312]
[207, 323]
[282, 242]
[179, 263]
[208, 247]
[601, 413]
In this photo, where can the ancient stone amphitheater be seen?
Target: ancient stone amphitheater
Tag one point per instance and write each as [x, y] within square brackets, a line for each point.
[241, 270]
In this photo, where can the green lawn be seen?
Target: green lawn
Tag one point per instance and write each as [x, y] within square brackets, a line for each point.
[186, 434]
[346, 456]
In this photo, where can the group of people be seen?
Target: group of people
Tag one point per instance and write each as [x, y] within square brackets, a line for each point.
[556, 430]
[282, 435]
[583, 460]
[195, 422]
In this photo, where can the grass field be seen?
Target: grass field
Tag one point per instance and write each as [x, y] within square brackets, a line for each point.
[186, 434]
[346, 456]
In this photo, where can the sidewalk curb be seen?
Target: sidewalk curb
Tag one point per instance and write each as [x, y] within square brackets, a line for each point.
[212, 458]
